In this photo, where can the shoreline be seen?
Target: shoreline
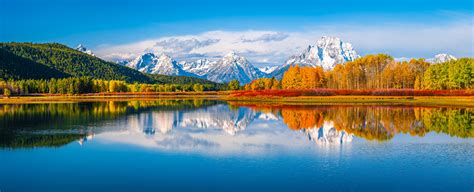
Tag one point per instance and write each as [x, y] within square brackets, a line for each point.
[459, 101]
[464, 101]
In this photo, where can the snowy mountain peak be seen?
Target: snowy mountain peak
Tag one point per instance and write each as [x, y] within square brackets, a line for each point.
[442, 57]
[199, 67]
[231, 54]
[83, 49]
[234, 58]
[163, 64]
[233, 66]
[268, 69]
[80, 47]
[326, 53]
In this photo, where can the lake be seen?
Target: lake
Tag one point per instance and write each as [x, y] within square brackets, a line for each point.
[210, 145]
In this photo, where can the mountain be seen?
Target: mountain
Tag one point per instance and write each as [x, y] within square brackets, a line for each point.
[442, 58]
[233, 66]
[152, 64]
[268, 69]
[44, 61]
[83, 49]
[199, 67]
[229, 67]
[326, 53]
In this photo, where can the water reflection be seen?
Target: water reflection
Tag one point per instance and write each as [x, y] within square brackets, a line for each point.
[215, 126]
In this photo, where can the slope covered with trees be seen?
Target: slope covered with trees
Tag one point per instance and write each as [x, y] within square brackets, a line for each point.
[63, 61]
[16, 67]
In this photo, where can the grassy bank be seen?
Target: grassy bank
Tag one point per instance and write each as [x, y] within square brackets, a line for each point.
[465, 101]
[40, 98]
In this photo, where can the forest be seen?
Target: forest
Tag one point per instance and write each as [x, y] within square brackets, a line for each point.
[81, 85]
[376, 72]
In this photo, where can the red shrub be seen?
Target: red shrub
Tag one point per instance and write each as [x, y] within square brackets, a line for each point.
[362, 92]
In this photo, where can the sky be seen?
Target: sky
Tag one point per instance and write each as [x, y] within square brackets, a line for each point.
[266, 32]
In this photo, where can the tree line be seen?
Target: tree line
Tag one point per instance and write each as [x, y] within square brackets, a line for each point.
[376, 72]
[81, 85]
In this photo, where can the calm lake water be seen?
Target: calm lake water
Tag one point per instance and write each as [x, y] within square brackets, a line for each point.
[194, 145]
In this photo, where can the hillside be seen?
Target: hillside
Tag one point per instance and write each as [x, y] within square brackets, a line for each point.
[16, 67]
[44, 61]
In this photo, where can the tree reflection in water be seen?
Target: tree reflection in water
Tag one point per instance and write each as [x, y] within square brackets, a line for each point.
[379, 123]
[56, 124]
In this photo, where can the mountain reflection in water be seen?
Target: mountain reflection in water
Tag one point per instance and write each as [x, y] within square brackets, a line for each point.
[218, 126]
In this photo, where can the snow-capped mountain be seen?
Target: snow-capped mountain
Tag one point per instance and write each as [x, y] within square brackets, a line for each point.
[233, 66]
[164, 65]
[327, 52]
[441, 58]
[83, 49]
[268, 69]
[230, 67]
[199, 67]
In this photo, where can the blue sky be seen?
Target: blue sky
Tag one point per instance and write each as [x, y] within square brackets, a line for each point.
[105, 25]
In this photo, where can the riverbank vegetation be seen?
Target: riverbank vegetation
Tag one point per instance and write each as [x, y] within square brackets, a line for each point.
[372, 75]
[83, 85]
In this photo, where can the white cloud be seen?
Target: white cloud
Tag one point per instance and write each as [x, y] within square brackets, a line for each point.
[274, 47]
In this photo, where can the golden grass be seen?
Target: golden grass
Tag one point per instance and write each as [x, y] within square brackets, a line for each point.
[465, 101]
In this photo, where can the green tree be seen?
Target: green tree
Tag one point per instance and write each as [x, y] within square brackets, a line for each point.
[234, 85]
[198, 87]
[7, 92]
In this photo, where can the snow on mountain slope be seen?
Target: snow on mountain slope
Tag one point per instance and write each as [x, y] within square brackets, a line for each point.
[233, 66]
[268, 69]
[83, 49]
[441, 58]
[199, 67]
[230, 67]
[164, 65]
[326, 53]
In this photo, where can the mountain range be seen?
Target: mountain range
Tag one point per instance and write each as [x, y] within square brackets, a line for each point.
[327, 52]
[229, 67]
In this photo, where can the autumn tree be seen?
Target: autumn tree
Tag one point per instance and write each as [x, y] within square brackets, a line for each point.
[234, 85]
